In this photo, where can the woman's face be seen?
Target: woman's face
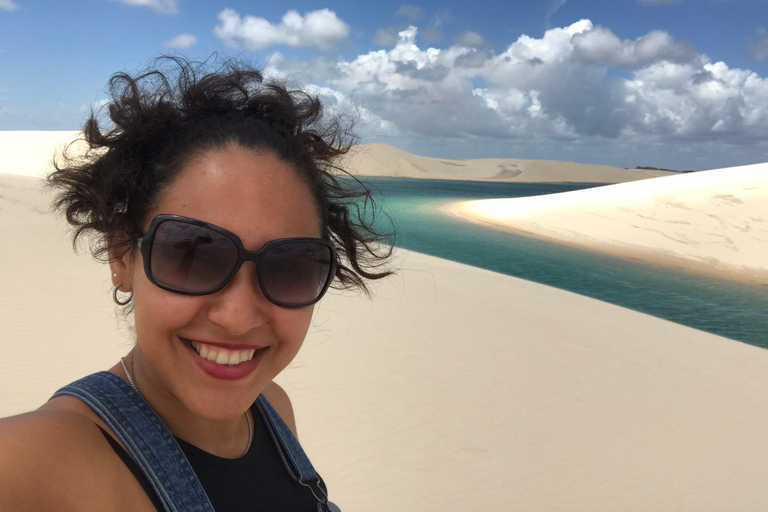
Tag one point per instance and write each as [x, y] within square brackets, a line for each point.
[259, 198]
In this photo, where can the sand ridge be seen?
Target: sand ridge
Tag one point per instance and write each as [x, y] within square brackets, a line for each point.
[31, 153]
[386, 160]
[714, 222]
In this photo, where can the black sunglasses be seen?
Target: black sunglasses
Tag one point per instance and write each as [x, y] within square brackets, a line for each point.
[193, 257]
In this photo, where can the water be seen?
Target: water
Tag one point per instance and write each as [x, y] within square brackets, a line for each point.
[729, 309]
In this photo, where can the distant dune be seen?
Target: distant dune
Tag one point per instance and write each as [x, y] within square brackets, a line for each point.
[29, 153]
[386, 160]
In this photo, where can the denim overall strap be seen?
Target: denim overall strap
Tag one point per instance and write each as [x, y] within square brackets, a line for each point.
[145, 436]
[295, 460]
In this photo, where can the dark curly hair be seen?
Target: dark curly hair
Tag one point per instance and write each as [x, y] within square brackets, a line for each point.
[162, 119]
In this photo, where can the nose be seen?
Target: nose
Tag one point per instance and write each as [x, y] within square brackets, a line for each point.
[241, 305]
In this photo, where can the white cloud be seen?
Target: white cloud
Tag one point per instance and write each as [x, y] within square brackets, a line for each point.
[180, 41]
[164, 6]
[600, 45]
[297, 71]
[470, 39]
[558, 87]
[316, 28]
[8, 5]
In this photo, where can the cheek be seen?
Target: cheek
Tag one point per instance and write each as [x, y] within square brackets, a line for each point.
[291, 326]
[158, 313]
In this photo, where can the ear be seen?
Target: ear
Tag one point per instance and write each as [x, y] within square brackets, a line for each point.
[121, 267]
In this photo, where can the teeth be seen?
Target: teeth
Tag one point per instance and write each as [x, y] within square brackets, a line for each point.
[222, 356]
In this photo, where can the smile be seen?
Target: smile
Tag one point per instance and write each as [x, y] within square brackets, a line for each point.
[227, 363]
[221, 355]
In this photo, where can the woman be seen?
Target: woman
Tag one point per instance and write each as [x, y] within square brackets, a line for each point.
[214, 199]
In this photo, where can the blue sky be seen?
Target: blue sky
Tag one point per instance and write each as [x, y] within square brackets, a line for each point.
[679, 84]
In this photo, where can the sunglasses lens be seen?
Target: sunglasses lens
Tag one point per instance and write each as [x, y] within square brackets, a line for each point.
[296, 273]
[191, 258]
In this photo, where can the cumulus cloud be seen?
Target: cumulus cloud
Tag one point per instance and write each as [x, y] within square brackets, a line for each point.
[470, 39]
[164, 6]
[759, 49]
[473, 58]
[600, 45]
[297, 71]
[320, 28]
[410, 12]
[558, 87]
[577, 92]
[8, 5]
[180, 41]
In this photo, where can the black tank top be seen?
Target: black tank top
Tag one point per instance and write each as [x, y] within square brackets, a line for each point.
[256, 481]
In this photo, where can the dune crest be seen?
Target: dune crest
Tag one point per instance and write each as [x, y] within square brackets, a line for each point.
[714, 222]
[386, 160]
[30, 153]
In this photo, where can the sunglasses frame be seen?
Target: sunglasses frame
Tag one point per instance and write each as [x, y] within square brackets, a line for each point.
[146, 241]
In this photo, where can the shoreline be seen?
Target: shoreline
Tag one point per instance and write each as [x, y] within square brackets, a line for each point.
[374, 177]
[711, 222]
[649, 257]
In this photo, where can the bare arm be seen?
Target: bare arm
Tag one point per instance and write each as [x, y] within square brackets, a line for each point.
[29, 472]
[58, 460]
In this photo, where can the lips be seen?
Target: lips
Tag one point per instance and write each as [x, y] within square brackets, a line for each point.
[227, 346]
[245, 358]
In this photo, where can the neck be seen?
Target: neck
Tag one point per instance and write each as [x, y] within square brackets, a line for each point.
[225, 437]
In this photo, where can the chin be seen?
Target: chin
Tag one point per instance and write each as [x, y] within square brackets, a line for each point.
[221, 405]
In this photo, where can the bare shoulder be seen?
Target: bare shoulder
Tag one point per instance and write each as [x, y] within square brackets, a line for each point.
[51, 446]
[282, 404]
[55, 458]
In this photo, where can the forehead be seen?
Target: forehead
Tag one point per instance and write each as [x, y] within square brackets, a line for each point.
[253, 194]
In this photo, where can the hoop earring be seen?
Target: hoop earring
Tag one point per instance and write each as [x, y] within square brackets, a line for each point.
[117, 301]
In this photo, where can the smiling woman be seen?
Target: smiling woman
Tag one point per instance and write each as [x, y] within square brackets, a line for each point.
[214, 199]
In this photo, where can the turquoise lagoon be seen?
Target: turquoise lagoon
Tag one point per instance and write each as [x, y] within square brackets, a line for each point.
[730, 309]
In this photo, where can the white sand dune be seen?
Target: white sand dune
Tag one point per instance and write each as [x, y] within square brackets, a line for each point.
[29, 153]
[454, 389]
[714, 222]
[385, 160]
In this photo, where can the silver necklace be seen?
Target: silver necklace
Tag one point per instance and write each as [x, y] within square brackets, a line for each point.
[247, 418]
